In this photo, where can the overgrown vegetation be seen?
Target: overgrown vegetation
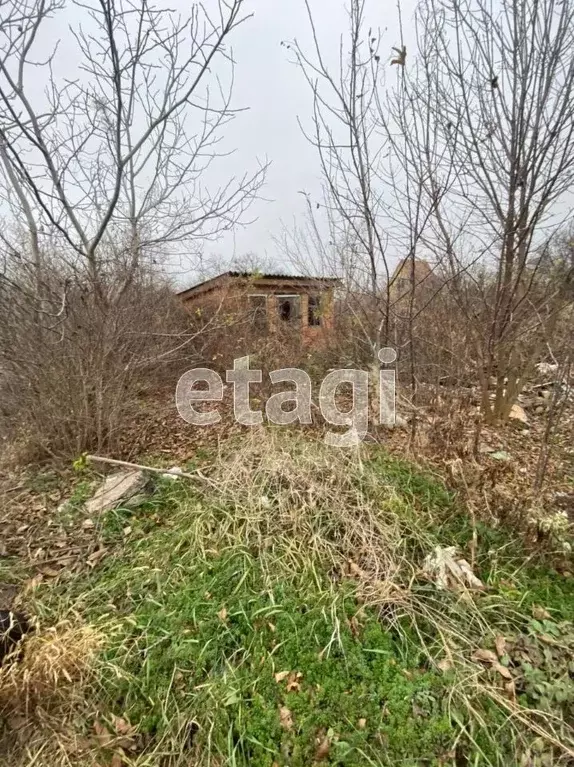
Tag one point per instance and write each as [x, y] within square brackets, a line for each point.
[278, 614]
[95, 196]
[295, 605]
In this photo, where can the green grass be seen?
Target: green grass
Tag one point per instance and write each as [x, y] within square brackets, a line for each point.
[218, 638]
[180, 659]
[213, 593]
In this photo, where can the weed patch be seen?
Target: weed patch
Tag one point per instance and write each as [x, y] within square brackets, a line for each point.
[278, 615]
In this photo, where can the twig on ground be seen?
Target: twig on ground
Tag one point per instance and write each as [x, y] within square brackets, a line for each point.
[174, 472]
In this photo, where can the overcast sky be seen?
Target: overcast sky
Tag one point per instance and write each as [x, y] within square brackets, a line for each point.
[269, 83]
[272, 89]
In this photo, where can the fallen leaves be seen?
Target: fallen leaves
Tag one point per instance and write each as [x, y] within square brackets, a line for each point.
[103, 735]
[285, 718]
[510, 689]
[502, 670]
[119, 734]
[42, 531]
[49, 572]
[95, 556]
[222, 614]
[484, 656]
[449, 571]
[122, 726]
[293, 684]
[492, 659]
[540, 614]
[323, 748]
[500, 644]
[293, 680]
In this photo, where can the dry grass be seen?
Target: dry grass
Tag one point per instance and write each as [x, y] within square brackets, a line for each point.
[296, 508]
[54, 662]
[44, 693]
[305, 502]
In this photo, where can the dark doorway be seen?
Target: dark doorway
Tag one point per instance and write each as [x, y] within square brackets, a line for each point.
[288, 308]
[314, 313]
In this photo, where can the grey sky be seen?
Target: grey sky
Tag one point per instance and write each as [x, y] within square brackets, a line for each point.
[269, 83]
[273, 90]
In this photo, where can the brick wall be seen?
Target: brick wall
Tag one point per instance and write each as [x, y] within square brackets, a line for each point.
[232, 302]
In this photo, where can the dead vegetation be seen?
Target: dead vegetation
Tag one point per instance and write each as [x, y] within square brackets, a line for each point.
[305, 502]
[293, 512]
[43, 694]
[88, 324]
[441, 579]
[55, 663]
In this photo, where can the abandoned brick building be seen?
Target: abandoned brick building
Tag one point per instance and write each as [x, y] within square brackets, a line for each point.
[270, 303]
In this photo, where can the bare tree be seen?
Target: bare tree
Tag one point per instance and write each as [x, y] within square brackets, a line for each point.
[375, 207]
[350, 151]
[496, 84]
[104, 163]
[115, 155]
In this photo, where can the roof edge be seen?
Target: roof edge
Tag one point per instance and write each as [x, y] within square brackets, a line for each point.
[212, 281]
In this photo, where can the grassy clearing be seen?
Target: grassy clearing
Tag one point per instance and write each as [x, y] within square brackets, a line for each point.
[277, 615]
